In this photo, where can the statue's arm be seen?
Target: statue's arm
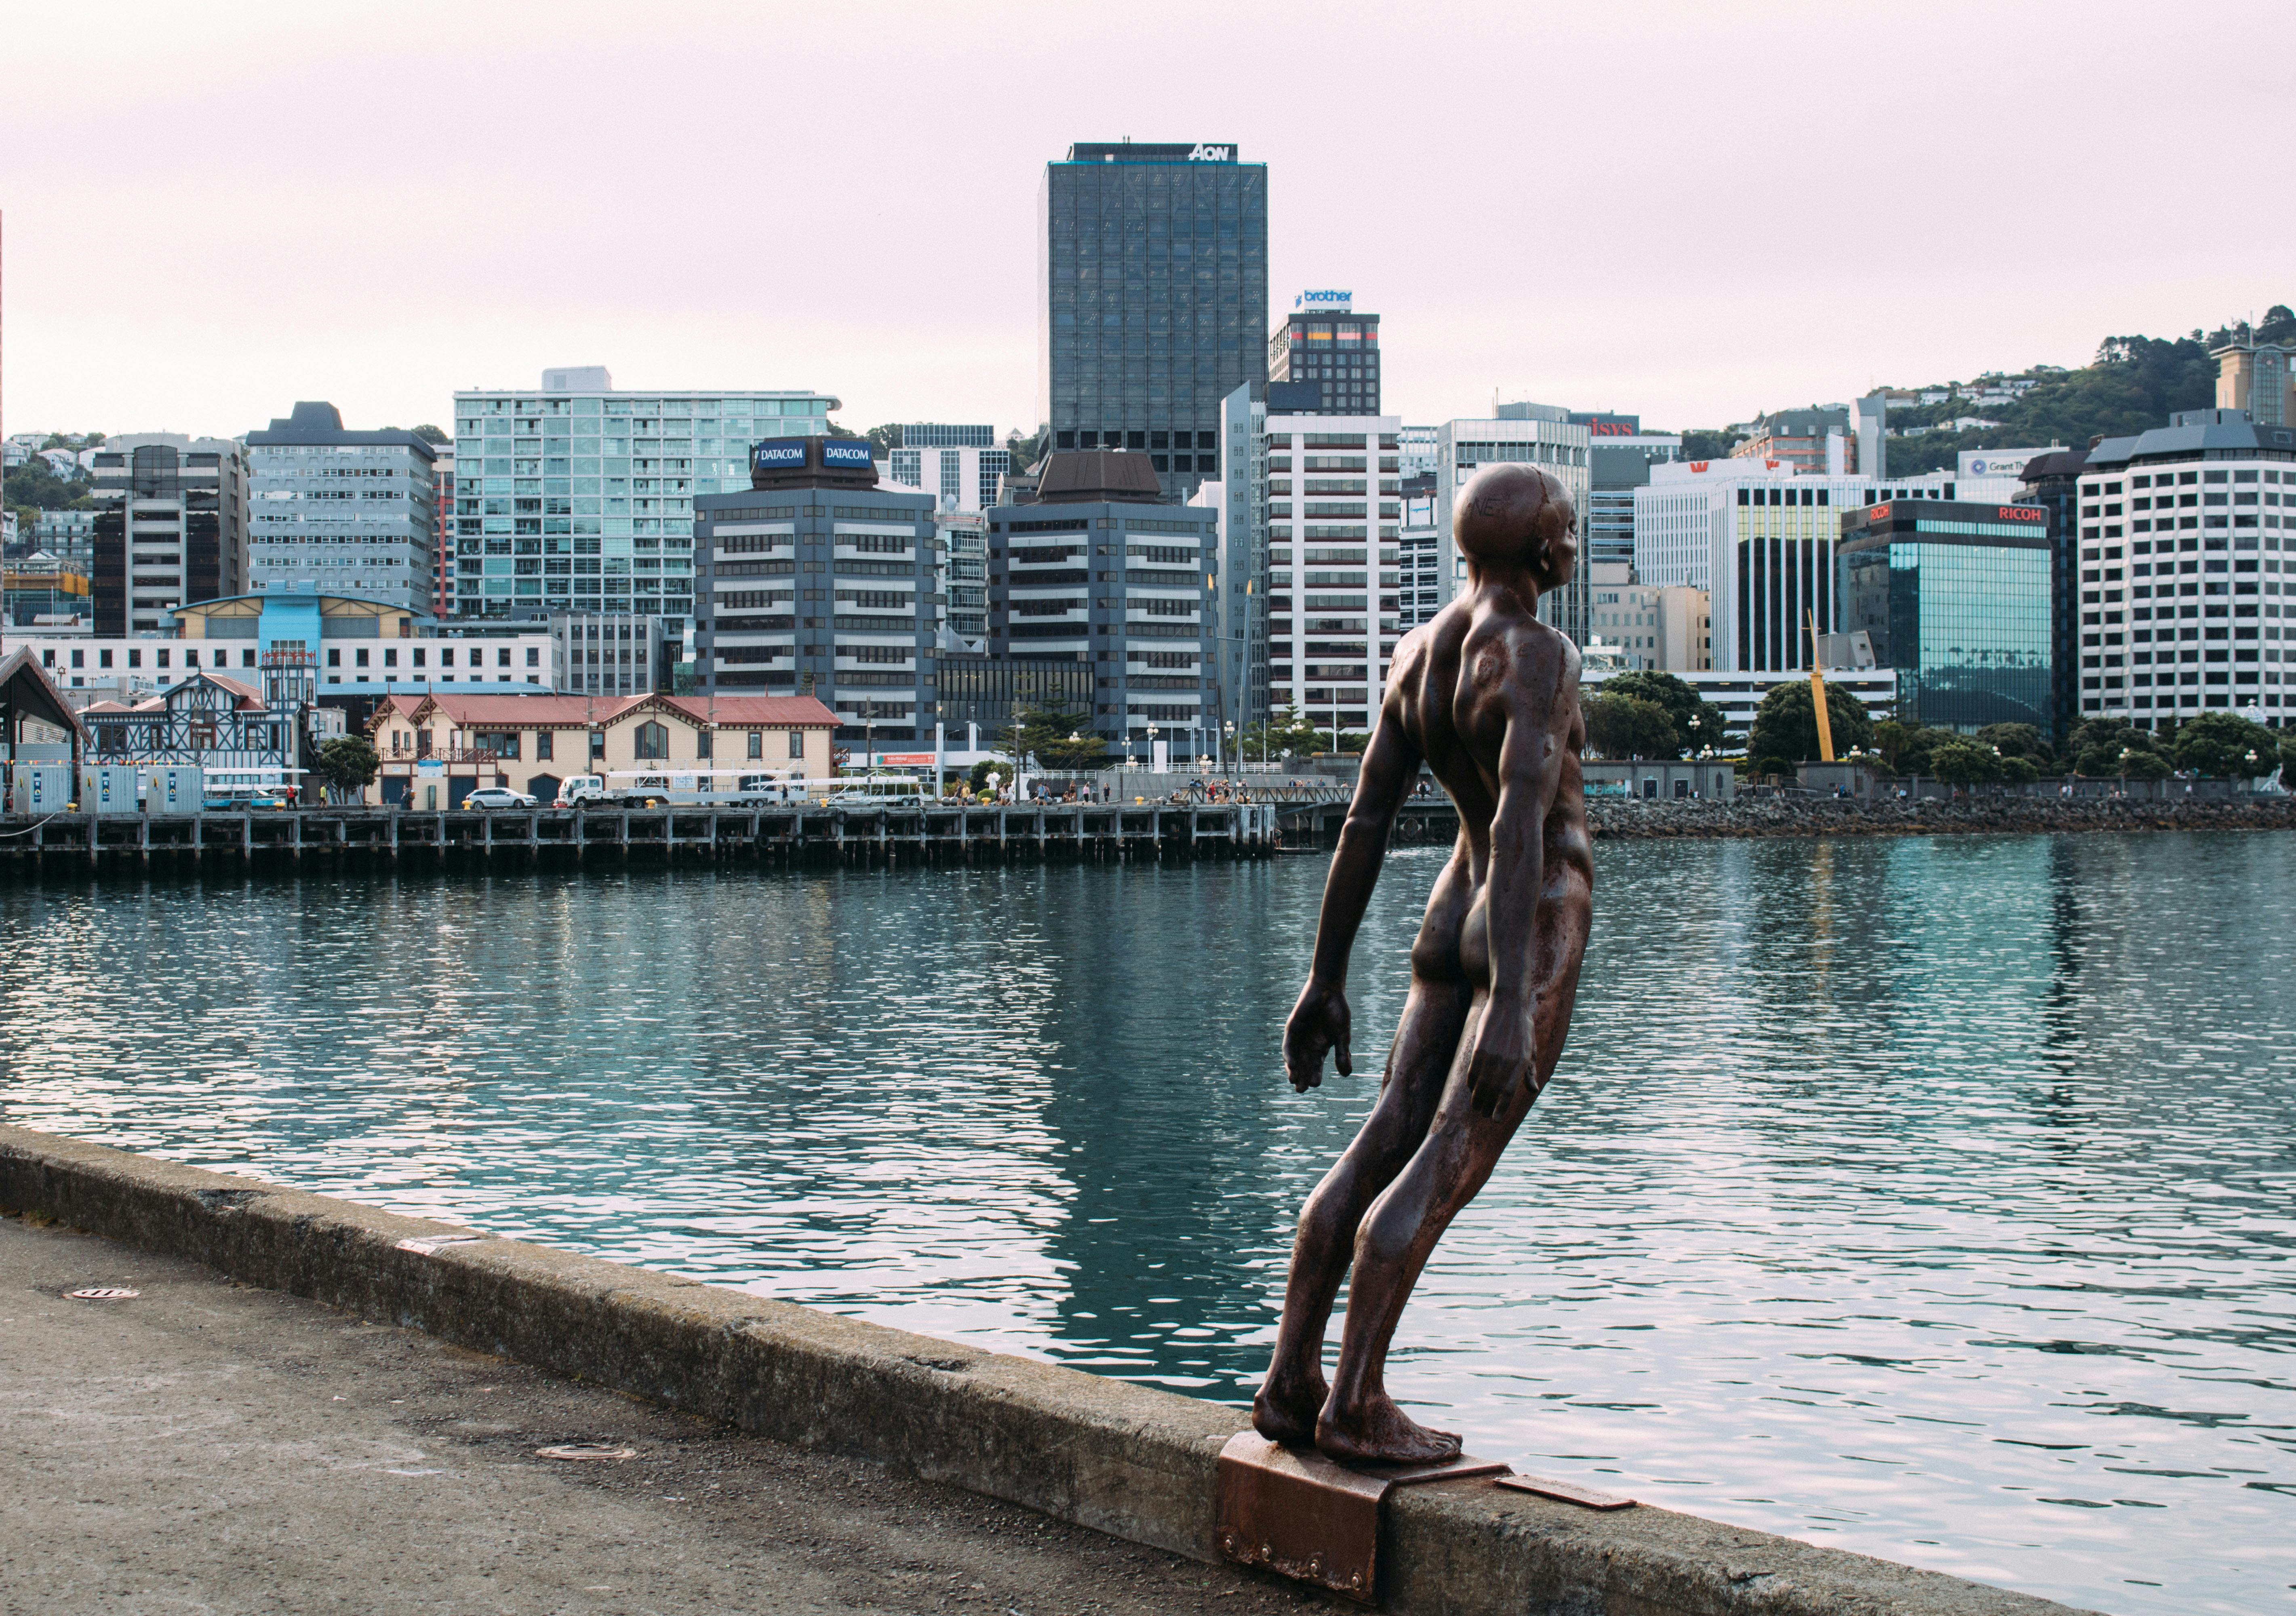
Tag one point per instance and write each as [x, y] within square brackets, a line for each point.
[1320, 1022]
[1540, 716]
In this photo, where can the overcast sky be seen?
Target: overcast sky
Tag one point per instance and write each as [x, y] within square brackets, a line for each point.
[1691, 211]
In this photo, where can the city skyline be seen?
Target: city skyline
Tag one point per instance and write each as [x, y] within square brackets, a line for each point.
[488, 197]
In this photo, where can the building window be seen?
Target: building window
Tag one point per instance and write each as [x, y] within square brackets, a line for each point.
[534, 656]
[704, 745]
[597, 744]
[797, 744]
[652, 740]
[542, 748]
[757, 743]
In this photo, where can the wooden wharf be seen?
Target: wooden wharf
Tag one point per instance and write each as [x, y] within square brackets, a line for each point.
[793, 835]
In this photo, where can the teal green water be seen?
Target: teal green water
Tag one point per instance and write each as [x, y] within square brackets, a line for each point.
[1926, 1198]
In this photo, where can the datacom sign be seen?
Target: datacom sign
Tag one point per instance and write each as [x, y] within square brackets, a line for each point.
[778, 454]
[846, 454]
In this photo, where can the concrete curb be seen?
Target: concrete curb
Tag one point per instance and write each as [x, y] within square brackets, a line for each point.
[1127, 1460]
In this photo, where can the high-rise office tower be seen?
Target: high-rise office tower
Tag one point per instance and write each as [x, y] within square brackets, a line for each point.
[1154, 264]
[1620, 455]
[346, 512]
[170, 527]
[1325, 360]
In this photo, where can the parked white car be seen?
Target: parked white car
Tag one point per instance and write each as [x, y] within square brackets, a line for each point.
[497, 796]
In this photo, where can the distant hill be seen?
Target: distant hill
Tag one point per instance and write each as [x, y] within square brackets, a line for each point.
[2133, 384]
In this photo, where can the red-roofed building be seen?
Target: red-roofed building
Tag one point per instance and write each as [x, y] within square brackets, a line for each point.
[436, 750]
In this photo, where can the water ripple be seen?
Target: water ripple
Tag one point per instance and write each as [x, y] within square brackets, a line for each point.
[1926, 1198]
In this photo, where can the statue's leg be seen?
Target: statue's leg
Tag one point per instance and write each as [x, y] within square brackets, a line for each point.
[1426, 1045]
[1398, 1232]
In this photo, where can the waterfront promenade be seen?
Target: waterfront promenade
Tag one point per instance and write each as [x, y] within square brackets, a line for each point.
[286, 1425]
[212, 1447]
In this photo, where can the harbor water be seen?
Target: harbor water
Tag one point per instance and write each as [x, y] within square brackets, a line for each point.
[1932, 1198]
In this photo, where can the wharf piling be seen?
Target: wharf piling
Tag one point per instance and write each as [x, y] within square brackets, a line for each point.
[351, 837]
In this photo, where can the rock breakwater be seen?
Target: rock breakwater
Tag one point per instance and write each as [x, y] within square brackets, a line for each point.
[2003, 814]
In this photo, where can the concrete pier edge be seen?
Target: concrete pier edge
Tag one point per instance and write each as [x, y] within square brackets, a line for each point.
[1130, 1461]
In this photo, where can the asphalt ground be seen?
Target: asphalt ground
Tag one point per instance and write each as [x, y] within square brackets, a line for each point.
[208, 1446]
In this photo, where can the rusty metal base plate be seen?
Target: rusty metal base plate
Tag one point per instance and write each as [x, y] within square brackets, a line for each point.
[1309, 1518]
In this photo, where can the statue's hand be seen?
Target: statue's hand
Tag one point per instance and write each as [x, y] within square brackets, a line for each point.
[1319, 1023]
[1501, 1063]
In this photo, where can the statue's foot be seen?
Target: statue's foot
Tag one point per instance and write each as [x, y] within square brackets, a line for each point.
[1286, 1408]
[1378, 1432]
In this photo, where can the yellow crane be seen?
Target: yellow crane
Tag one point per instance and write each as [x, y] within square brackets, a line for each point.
[1817, 695]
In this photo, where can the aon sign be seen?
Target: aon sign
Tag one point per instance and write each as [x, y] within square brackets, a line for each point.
[1212, 154]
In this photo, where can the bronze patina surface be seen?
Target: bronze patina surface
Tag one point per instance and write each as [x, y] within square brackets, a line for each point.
[1487, 697]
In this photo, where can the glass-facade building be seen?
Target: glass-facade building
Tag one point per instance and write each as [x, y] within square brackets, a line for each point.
[1152, 269]
[1956, 600]
[579, 497]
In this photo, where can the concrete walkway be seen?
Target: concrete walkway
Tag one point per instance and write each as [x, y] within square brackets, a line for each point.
[211, 1447]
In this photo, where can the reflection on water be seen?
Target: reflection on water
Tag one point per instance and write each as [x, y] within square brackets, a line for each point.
[1927, 1198]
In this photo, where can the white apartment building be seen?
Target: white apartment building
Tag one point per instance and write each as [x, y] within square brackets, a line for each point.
[957, 465]
[579, 497]
[1333, 512]
[1539, 435]
[340, 511]
[2187, 537]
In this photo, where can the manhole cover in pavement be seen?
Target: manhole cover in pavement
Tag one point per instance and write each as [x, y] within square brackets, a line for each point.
[102, 1293]
[585, 1450]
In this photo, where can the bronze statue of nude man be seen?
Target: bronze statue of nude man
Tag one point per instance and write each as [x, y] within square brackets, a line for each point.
[1487, 697]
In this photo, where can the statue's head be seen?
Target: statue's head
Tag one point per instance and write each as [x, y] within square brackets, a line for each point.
[1518, 516]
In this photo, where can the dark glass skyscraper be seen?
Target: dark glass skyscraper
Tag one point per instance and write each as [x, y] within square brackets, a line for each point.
[1154, 266]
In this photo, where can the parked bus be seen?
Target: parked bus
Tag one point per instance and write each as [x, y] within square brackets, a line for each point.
[263, 786]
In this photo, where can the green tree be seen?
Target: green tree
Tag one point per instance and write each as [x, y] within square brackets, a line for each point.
[1027, 451]
[1962, 762]
[1629, 727]
[2019, 771]
[1697, 723]
[883, 439]
[347, 764]
[2145, 766]
[32, 485]
[1054, 738]
[1288, 731]
[2018, 740]
[2226, 746]
[1785, 724]
[1700, 444]
[431, 433]
[1075, 752]
[2099, 748]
